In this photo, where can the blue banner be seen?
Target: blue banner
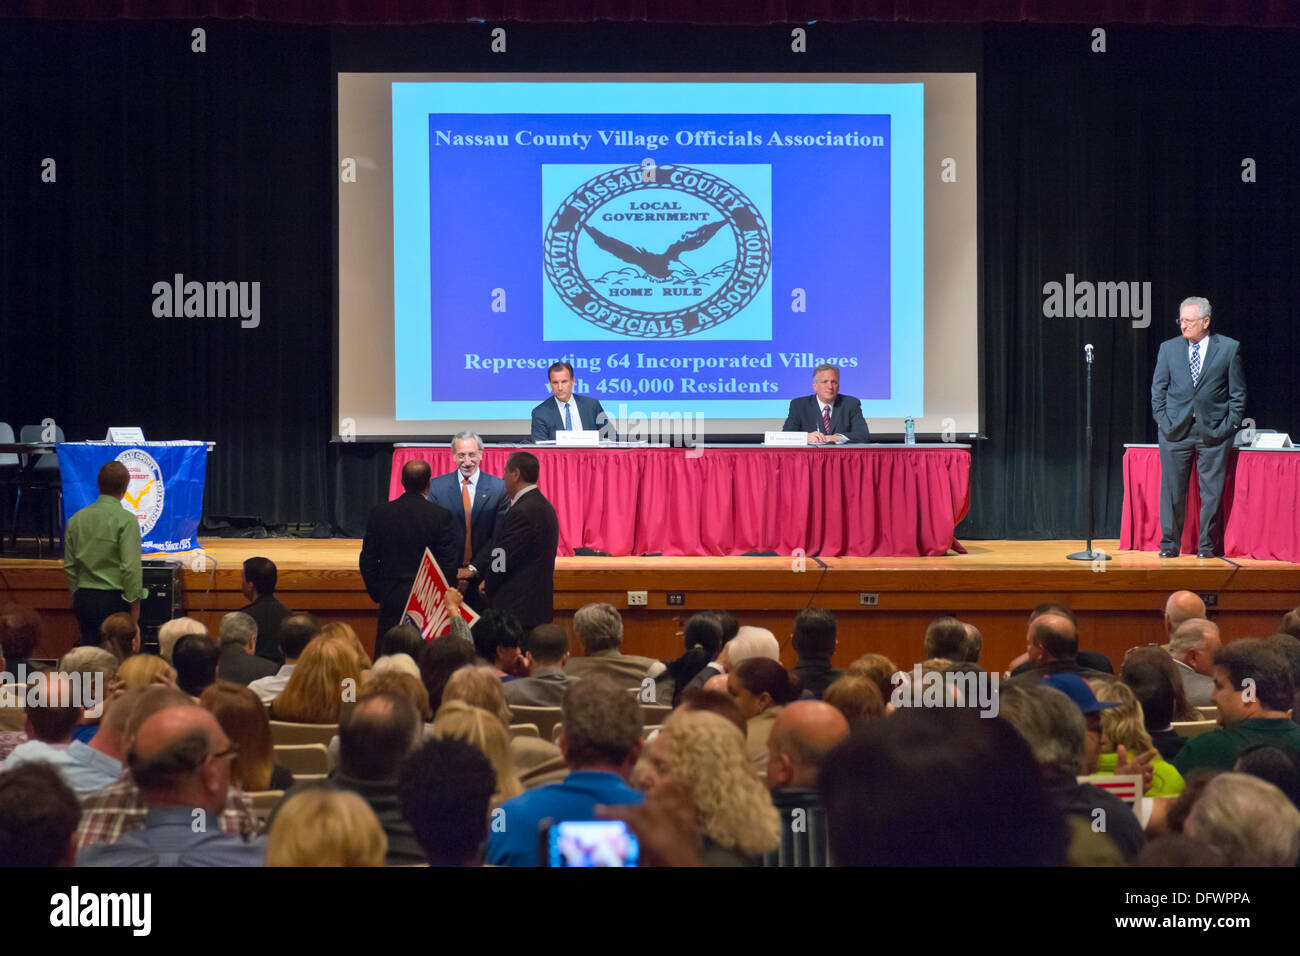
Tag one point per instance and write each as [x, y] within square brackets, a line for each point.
[165, 493]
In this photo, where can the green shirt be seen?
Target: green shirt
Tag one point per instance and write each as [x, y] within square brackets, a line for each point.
[1218, 749]
[101, 549]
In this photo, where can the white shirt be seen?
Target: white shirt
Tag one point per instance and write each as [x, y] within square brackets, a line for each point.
[573, 415]
[473, 484]
[268, 688]
[521, 492]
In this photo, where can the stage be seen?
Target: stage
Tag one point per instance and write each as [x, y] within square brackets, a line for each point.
[883, 604]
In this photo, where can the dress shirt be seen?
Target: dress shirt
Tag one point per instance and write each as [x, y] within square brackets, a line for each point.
[169, 839]
[102, 549]
[268, 688]
[574, 417]
[82, 767]
[473, 483]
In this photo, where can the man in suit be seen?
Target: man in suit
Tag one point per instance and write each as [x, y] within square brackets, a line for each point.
[546, 685]
[568, 412]
[827, 416]
[475, 499]
[1198, 399]
[238, 662]
[516, 569]
[397, 534]
[258, 587]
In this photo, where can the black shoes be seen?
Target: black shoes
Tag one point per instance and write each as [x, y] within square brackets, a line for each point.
[1168, 553]
[1206, 554]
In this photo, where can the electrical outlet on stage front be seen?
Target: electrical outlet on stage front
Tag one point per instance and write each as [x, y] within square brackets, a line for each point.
[638, 598]
[676, 598]
[868, 600]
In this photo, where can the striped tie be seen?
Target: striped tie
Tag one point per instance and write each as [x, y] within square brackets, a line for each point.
[826, 420]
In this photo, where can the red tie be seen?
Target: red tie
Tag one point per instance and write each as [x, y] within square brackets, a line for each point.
[468, 505]
[826, 419]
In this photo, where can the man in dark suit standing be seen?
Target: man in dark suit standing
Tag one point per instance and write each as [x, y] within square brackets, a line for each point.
[827, 416]
[516, 570]
[1198, 399]
[475, 499]
[568, 412]
[397, 534]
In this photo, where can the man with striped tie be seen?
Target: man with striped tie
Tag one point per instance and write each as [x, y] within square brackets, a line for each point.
[827, 416]
[1198, 399]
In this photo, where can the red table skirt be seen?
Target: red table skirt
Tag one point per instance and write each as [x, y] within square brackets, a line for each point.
[1261, 505]
[828, 502]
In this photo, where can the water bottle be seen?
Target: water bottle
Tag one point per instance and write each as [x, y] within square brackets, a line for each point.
[909, 431]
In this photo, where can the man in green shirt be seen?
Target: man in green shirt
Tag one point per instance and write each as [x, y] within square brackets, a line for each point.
[101, 555]
[1254, 691]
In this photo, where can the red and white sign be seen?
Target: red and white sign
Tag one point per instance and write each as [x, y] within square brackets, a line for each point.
[426, 606]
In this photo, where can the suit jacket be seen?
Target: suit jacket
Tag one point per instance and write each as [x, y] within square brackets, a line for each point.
[488, 506]
[521, 579]
[545, 690]
[396, 535]
[1217, 402]
[846, 418]
[238, 665]
[269, 613]
[627, 670]
[547, 420]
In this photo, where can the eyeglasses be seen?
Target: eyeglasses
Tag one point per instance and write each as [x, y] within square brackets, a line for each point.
[1190, 321]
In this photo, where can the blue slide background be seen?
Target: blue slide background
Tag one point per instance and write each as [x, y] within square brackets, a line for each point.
[845, 226]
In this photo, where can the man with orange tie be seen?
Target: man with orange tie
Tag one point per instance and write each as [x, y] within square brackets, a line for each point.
[475, 500]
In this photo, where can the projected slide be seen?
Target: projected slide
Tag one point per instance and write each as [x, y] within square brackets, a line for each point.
[685, 246]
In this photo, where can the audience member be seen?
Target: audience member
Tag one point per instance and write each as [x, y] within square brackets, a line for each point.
[85, 767]
[1122, 726]
[484, 730]
[243, 717]
[441, 658]
[1291, 623]
[732, 811]
[946, 637]
[536, 761]
[702, 640]
[716, 702]
[974, 643]
[120, 635]
[600, 631]
[814, 644]
[401, 639]
[1181, 606]
[257, 582]
[399, 681]
[445, 791]
[878, 669]
[238, 661]
[497, 635]
[376, 735]
[1290, 648]
[730, 627]
[1156, 656]
[1052, 647]
[942, 787]
[1192, 646]
[601, 740]
[296, 632]
[1247, 819]
[53, 707]
[38, 818]
[1178, 850]
[1154, 692]
[195, 659]
[173, 631]
[341, 630]
[1278, 765]
[761, 687]
[322, 826]
[1054, 727]
[20, 632]
[857, 698]
[146, 670]
[314, 694]
[1254, 694]
[803, 736]
[180, 759]
[548, 649]
[749, 642]
[95, 670]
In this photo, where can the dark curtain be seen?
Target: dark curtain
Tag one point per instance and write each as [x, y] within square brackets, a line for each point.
[1116, 166]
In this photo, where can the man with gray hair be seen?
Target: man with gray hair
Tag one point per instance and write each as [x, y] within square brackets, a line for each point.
[173, 631]
[1248, 819]
[476, 501]
[238, 661]
[1192, 646]
[600, 630]
[601, 741]
[827, 416]
[1054, 727]
[1198, 400]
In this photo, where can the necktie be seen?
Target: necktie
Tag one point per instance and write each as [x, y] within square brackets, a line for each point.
[826, 419]
[568, 422]
[468, 505]
[1196, 363]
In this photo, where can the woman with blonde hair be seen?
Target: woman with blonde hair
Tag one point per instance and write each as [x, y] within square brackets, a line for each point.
[1124, 726]
[536, 761]
[314, 693]
[481, 687]
[482, 729]
[242, 715]
[145, 670]
[731, 807]
[325, 827]
[344, 630]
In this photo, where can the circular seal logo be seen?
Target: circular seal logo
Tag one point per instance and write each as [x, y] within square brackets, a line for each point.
[664, 258]
[144, 493]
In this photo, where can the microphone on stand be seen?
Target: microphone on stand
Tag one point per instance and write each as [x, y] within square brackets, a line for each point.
[1089, 553]
[1087, 351]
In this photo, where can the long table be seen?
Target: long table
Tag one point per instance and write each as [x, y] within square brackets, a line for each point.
[876, 500]
[1261, 504]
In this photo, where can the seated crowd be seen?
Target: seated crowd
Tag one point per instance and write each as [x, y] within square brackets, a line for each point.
[453, 752]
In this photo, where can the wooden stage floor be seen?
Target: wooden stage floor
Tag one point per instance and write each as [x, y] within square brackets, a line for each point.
[882, 604]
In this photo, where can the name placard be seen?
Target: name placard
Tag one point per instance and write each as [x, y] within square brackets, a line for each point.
[125, 435]
[577, 439]
[1271, 440]
[786, 439]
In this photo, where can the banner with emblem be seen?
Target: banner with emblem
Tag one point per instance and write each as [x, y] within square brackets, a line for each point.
[426, 606]
[165, 493]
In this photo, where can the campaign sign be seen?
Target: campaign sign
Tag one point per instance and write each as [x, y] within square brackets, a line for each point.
[426, 606]
[165, 493]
